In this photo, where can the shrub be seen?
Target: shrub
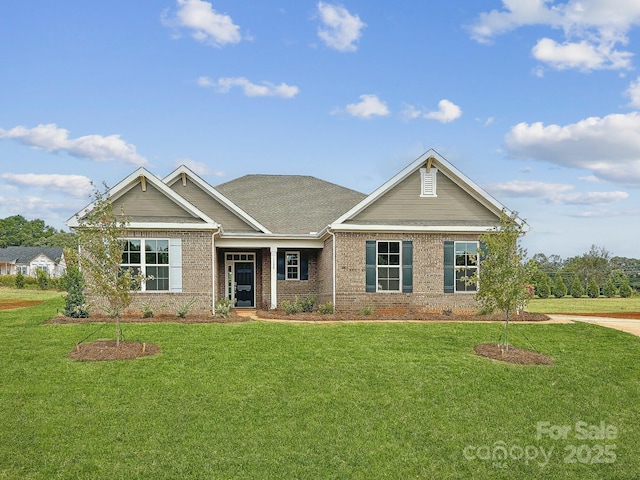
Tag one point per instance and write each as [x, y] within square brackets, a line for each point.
[147, 310]
[185, 307]
[298, 305]
[367, 311]
[75, 305]
[593, 289]
[42, 277]
[291, 308]
[577, 290]
[543, 289]
[223, 307]
[610, 289]
[19, 280]
[325, 308]
[625, 290]
[559, 288]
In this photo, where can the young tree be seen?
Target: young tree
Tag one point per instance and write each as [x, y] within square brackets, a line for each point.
[504, 277]
[100, 236]
[559, 287]
[593, 289]
[75, 305]
[577, 289]
[610, 289]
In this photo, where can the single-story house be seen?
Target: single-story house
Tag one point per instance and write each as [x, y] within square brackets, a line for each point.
[28, 260]
[260, 239]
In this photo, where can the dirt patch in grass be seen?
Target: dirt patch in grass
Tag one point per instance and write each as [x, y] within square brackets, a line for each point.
[11, 304]
[513, 355]
[103, 350]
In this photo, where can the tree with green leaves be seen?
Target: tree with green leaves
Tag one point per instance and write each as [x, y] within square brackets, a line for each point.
[101, 238]
[75, 303]
[593, 289]
[504, 278]
[577, 289]
[559, 287]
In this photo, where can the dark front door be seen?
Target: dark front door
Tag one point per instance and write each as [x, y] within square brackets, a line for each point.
[244, 284]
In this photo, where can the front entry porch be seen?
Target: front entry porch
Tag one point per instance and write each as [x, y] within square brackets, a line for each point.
[240, 279]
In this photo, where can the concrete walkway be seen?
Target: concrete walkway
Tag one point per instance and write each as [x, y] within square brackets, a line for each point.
[624, 325]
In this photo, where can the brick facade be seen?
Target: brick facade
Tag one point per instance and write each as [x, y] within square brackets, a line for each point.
[196, 274]
[428, 275]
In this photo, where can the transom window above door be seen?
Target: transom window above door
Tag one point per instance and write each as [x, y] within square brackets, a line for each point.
[240, 257]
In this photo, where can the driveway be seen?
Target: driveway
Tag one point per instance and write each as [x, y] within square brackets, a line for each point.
[624, 325]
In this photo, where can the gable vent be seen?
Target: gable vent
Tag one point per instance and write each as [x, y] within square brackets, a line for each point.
[428, 182]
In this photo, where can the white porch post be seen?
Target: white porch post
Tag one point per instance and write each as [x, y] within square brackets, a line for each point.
[274, 277]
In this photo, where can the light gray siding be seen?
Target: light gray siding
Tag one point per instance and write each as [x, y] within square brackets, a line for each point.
[151, 206]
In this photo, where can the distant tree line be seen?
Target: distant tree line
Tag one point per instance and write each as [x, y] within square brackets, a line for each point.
[17, 231]
[593, 273]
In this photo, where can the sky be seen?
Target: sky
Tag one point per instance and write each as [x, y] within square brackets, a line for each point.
[537, 101]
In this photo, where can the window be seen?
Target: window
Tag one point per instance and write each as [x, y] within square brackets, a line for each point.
[466, 266]
[428, 182]
[293, 265]
[388, 266]
[154, 263]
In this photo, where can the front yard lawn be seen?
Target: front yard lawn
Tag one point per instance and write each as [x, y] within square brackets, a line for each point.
[270, 400]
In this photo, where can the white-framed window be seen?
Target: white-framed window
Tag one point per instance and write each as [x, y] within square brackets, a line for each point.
[465, 266]
[388, 265]
[292, 265]
[428, 182]
[151, 258]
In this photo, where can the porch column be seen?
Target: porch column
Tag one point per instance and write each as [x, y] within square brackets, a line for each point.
[274, 277]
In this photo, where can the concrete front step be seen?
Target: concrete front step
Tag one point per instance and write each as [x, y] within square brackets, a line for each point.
[245, 312]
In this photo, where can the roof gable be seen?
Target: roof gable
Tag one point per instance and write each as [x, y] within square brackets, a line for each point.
[198, 192]
[24, 255]
[150, 203]
[456, 203]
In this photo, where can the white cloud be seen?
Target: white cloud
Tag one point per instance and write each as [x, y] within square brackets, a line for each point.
[369, 106]
[591, 28]
[447, 112]
[95, 147]
[266, 89]
[199, 168]
[554, 193]
[634, 93]
[206, 25]
[581, 55]
[340, 29]
[76, 185]
[608, 147]
[35, 206]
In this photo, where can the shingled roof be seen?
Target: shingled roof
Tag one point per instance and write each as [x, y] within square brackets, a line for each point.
[24, 255]
[295, 204]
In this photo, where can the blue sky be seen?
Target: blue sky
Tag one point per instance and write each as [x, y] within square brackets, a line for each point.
[537, 101]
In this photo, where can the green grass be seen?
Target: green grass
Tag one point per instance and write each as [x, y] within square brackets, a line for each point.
[27, 294]
[584, 305]
[273, 401]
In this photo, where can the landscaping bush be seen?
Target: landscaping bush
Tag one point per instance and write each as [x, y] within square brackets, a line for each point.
[223, 307]
[298, 305]
[42, 278]
[576, 290]
[593, 289]
[625, 290]
[75, 305]
[326, 308]
[20, 280]
[367, 311]
[610, 289]
[559, 288]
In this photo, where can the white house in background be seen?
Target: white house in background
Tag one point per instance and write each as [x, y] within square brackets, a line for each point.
[28, 260]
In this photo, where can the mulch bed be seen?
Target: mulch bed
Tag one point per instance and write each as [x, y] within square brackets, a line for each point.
[102, 350]
[513, 355]
[11, 304]
[409, 316]
[162, 318]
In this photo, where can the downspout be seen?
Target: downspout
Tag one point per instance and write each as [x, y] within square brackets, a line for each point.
[333, 268]
[213, 273]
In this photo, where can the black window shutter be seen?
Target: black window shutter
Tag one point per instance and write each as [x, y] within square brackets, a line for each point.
[371, 266]
[304, 266]
[449, 276]
[281, 265]
[407, 266]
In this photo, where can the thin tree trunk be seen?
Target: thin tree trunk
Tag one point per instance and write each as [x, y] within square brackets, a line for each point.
[506, 330]
[117, 331]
